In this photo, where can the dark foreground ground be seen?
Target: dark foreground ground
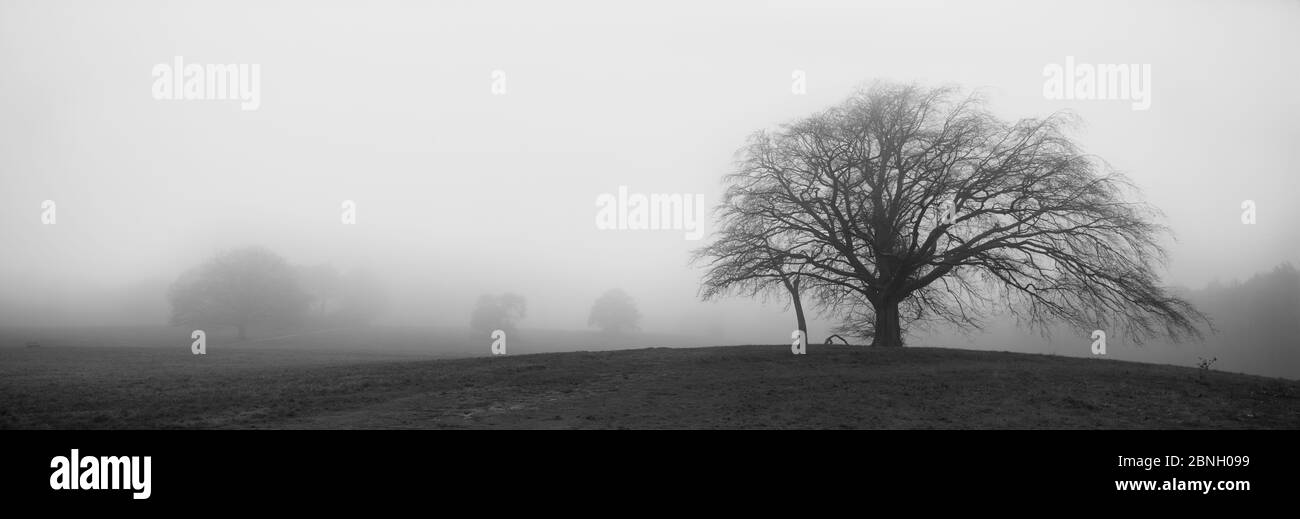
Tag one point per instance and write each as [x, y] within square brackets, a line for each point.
[723, 387]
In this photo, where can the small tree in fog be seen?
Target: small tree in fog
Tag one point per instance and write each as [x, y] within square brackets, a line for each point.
[243, 288]
[615, 312]
[498, 312]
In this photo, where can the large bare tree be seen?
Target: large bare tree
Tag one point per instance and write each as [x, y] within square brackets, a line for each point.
[914, 204]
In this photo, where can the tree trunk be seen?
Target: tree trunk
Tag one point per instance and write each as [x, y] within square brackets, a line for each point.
[888, 331]
[798, 313]
[793, 287]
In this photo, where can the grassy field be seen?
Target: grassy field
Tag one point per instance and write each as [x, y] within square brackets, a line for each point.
[263, 386]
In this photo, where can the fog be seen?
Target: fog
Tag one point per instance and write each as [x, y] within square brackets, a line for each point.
[461, 190]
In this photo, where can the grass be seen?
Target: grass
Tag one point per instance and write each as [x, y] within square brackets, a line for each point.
[851, 387]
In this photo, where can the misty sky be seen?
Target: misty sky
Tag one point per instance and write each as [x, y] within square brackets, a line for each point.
[461, 192]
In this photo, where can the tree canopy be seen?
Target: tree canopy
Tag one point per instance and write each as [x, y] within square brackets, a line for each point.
[615, 312]
[914, 205]
[242, 288]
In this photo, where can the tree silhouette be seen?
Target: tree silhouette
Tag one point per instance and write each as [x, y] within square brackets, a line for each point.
[240, 288]
[909, 204]
[615, 312]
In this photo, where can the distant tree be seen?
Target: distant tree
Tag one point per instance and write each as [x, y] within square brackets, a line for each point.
[241, 288]
[910, 204]
[498, 312]
[615, 312]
